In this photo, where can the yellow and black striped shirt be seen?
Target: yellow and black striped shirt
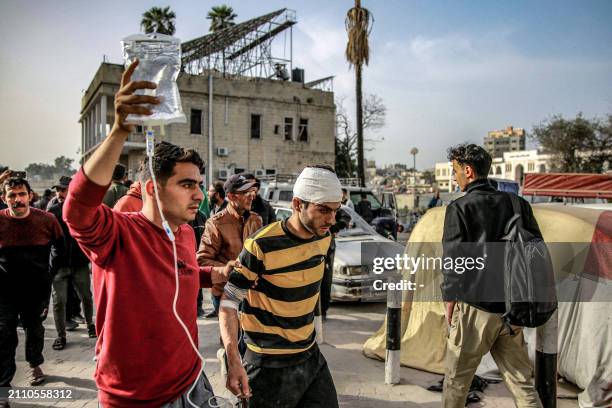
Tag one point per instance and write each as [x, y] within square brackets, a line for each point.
[282, 274]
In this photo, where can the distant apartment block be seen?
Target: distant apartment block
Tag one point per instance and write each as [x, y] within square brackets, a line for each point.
[499, 142]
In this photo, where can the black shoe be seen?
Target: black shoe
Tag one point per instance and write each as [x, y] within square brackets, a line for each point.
[201, 312]
[71, 325]
[59, 343]
[78, 318]
[212, 315]
[91, 331]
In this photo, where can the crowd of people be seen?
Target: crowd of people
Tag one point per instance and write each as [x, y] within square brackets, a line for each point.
[150, 248]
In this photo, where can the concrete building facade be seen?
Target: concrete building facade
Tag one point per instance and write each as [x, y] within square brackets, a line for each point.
[444, 177]
[511, 139]
[259, 125]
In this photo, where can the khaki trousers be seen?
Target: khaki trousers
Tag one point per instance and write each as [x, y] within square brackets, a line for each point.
[473, 333]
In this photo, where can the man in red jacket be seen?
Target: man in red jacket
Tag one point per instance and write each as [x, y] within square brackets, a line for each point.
[145, 356]
[131, 201]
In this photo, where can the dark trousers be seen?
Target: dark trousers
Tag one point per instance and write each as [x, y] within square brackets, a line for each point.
[81, 278]
[216, 302]
[305, 385]
[200, 300]
[29, 310]
[73, 303]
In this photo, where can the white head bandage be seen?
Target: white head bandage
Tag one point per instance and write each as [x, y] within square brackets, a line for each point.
[318, 186]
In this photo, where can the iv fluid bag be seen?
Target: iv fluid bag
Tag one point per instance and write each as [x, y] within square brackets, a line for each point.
[160, 62]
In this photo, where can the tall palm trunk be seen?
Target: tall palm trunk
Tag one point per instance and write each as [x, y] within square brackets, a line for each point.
[359, 123]
[358, 24]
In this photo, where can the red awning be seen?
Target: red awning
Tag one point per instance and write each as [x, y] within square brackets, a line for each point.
[568, 185]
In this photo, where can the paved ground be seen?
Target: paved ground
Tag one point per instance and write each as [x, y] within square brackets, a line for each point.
[359, 380]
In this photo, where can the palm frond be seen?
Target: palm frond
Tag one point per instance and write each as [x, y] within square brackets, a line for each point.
[221, 17]
[358, 25]
[158, 20]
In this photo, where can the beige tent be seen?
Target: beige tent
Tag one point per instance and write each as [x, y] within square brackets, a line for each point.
[585, 329]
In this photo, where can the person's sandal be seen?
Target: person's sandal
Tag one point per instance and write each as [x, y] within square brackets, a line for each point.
[59, 343]
[37, 376]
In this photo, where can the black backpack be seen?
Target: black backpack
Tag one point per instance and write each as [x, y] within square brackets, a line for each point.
[529, 279]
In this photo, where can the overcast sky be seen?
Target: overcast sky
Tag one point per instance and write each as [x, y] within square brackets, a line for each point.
[448, 71]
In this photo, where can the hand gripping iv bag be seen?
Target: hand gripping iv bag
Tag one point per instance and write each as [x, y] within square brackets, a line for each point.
[160, 62]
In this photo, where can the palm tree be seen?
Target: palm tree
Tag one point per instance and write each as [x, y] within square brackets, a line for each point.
[358, 26]
[221, 17]
[158, 20]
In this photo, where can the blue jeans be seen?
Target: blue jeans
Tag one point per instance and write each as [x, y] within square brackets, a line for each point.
[216, 301]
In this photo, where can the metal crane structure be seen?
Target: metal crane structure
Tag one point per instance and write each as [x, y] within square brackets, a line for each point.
[245, 49]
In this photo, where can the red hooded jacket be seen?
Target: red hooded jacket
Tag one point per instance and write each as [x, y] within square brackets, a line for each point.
[131, 201]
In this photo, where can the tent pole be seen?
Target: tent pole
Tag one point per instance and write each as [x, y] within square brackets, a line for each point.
[394, 324]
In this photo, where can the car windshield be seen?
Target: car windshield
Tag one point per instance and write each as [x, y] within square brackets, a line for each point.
[282, 214]
[285, 195]
[356, 197]
[351, 224]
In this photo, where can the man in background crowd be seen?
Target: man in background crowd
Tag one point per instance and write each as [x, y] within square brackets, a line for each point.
[226, 231]
[260, 205]
[346, 199]
[73, 267]
[364, 208]
[216, 196]
[117, 188]
[131, 201]
[44, 200]
[29, 242]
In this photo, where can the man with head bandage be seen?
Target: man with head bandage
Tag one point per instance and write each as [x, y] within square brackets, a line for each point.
[277, 282]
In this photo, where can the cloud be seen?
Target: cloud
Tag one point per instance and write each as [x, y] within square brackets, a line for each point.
[320, 50]
[442, 90]
[434, 50]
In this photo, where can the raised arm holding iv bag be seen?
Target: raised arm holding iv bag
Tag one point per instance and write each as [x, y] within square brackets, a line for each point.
[159, 58]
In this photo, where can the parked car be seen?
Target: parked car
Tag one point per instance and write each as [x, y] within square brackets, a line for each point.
[351, 279]
[276, 191]
[384, 213]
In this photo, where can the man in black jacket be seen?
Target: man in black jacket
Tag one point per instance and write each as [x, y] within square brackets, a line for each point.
[72, 263]
[260, 205]
[473, 227]
[216, 196]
